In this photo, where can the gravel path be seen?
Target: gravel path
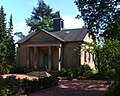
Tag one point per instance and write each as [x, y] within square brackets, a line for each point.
[75, 88]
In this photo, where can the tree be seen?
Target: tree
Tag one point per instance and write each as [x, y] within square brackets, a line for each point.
[110, 53]
[41, 17]
[97, 14]
[113, 29]
[2, 24]
[19, 34]
[7, 46]
[2, 33]
[11, 44]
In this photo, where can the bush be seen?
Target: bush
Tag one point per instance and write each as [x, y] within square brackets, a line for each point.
[85, 70]
[5, 68]
[21, 70]
[70, 72]
[12, 86]
[98, 76]
[113, 90]
[64, 71]
[17, 70]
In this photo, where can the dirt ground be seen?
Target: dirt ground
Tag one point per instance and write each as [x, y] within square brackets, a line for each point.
[75, 88]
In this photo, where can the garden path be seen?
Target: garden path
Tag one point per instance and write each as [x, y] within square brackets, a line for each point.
[75, 88]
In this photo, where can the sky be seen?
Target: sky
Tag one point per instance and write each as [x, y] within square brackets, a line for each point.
[21, 10]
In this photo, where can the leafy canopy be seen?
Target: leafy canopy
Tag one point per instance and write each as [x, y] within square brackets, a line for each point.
[113, 29]
[97, 14]
[41, 17]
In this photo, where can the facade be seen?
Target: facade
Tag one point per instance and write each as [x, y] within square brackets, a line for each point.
[53, 50]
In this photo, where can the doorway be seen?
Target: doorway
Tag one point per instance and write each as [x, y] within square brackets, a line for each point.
[45, 60]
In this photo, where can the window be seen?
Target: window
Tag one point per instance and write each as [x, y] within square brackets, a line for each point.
[92, 57]
[85, 56]
[89, 56]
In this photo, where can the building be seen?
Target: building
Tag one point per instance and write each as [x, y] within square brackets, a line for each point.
[54, 50]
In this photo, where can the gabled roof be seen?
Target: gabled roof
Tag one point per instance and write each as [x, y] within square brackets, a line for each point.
[63, 35]
[71, 34]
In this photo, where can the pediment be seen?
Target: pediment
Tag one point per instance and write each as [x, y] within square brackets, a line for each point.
[42, 37]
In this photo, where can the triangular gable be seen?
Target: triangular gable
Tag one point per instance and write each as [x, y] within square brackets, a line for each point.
[40, 36]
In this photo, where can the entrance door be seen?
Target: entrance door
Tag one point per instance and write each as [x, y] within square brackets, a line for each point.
[45, 60]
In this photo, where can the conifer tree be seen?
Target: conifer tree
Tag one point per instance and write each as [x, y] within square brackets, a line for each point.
[2, 34]
[41, 17]
[7, 47]
[11, 45]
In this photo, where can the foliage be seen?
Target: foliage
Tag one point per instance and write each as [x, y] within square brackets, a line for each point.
[72, 72]
[19, 34]
[113, 90]
[21, 70]
[41, 17]
[113, 29]
[105, 55]
[5, 68]
[7, 46]
[11, 44]
[17, 70]
[97, 14]
[110, 54]
[85, 70]
[11, 86]
[107, 59]
[5, 91]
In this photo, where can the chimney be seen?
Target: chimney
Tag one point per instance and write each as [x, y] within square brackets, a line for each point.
[58, 22]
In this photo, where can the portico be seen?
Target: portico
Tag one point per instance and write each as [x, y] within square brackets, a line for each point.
[43, 56]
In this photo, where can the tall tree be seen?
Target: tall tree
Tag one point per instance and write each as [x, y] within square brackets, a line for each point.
[6, 44]
[2, 34]
[97, 14]
[2, 23]
[41, 17]
[113, 29]
[11, 44]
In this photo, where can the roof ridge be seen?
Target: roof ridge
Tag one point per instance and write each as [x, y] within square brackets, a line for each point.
[50, 33]
[73, 29]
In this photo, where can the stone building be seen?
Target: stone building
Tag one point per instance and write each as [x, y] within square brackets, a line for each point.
[54, 50]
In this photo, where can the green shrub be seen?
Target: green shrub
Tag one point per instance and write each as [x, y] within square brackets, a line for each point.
[85, 70]
[5, 91]
[17, 70]
[12, 86]
[98, 76]
[5, 68]
[113, 90]
[70, 72]
[21, 70]
[64, 71]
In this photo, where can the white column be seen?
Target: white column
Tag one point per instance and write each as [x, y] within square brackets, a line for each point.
[59, 62]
